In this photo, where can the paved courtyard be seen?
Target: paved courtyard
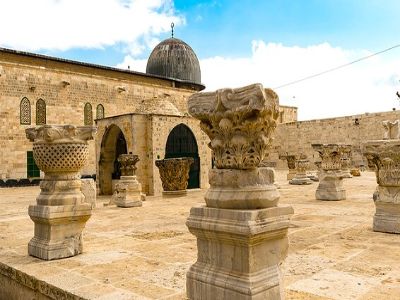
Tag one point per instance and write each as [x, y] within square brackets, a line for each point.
[144, 253]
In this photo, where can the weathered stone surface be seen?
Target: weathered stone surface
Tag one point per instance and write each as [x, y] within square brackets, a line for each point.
[88, 189]
[128, 192]
[355, 172]
[330, 176]
[291, 163]
[174, 173]
[239, 123]
[301, 177]
[384, 157]
[391, 130]
[241, 234]
[239, 253]
[346, 161]
[128, 164]
[61, 212]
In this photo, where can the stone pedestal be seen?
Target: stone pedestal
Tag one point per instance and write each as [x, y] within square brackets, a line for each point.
[241, 233]
[301, 177]
[291, 162]
[384, 157]
[128, 190]
[346, 161]
[61, 212]
[330, 176]
[239, 253]
[174, 173]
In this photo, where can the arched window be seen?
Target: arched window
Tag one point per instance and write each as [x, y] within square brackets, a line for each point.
[100, 112]
[40, 112]
[25, 111]
[88, 114]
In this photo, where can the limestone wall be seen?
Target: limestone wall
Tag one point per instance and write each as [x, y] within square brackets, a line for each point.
[298, 136]
[66, 88]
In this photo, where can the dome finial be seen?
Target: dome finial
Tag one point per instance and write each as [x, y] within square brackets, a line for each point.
[172, 29]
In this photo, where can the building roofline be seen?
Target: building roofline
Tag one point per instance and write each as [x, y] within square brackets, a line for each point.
[198, 86]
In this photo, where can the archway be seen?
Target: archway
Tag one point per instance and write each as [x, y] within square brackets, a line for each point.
[112, 145]
[182, 143]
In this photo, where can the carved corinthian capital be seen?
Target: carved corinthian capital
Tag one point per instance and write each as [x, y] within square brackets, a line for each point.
[239, 123]
[331, 155]
[128, 164]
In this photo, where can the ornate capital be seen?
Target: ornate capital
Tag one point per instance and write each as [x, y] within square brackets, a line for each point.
[384, 157]
[60, 134]
[174, 172]
[128, 164]
[391, 130]
[239, 123]
[60, 148]
[331, 155]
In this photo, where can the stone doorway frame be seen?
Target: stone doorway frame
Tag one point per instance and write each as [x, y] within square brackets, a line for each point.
[108, 157]
[194, 173]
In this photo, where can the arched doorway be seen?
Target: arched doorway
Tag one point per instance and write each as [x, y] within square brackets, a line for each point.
[182, 143]
[112, 145]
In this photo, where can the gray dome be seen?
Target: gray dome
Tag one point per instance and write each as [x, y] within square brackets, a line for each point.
[173, 58]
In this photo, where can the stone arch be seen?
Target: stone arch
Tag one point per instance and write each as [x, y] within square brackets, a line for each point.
[112, 145]
[40, 112]
[181, 142]
[88, 114]
[25, 111]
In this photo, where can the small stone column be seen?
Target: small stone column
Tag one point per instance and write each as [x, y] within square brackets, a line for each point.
[241, 232]
[301, 177]
[128, 191]
[291, 162]
[346, 161]
[174, 173]
[384, 157]
[61, 212]
[330, 176]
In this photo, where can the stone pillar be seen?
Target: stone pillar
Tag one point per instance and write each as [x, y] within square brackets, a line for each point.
[241, 232]
[346, 161]
[88, 189]
[128, 190]
[384, 157]
[330, 176]
[291, 162]
[61, 212]
[174, 173]
[301, 177]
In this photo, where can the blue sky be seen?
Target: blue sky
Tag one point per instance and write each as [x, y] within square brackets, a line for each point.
[237, 42]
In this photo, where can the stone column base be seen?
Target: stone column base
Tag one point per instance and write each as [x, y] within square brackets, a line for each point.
[128, 192]
[239, 253]
[303, 180]
[58, 230]
[290, 175]
[387, 215]
[330, 186]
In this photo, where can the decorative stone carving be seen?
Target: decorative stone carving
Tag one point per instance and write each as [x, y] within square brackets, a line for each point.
[241, 233]
[391, 130]
[128, 190]
[330, 177]
[291, 162]
[61, 212]
[384, 157]
[301, 177]
[346, 161]
[174, 173]
[355, 172]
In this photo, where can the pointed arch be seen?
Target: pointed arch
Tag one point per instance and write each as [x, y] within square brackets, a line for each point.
[40, 112]
[99, 111]
[88, 114]
[25, 112]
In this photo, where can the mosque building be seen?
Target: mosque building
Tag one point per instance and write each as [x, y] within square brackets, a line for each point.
[141, 113]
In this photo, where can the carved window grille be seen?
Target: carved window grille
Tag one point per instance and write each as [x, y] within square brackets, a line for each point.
[100, 112]
[40, 112]
[88, 114]
[25, 111]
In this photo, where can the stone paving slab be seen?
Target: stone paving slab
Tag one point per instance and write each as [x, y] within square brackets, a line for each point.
[144, 252]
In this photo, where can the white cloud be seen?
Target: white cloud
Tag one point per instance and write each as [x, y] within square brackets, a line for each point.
[65, 24]
[138, 65]
[367, 86]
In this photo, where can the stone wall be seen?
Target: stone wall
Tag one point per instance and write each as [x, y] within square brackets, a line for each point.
[297, 137]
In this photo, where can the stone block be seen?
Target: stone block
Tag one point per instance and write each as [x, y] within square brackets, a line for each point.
[330, 186]
[89, 191]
